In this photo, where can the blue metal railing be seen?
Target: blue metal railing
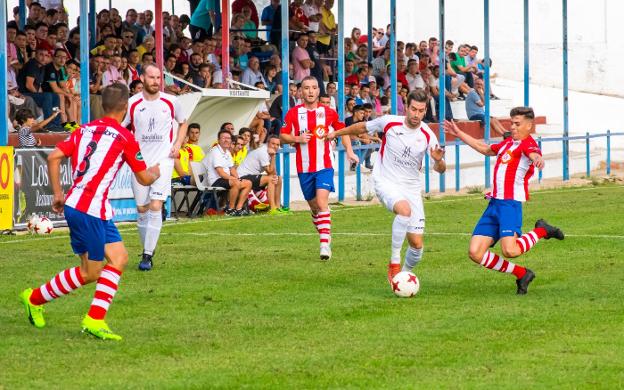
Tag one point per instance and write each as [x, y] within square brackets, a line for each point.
[360, 150]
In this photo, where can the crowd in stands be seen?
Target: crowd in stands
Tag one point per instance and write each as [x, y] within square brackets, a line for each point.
[44, 65]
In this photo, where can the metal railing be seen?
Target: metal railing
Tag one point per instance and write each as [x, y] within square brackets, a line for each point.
[283, 163]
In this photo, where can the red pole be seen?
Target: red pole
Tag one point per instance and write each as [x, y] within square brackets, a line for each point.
[158, 30]
[225, 41]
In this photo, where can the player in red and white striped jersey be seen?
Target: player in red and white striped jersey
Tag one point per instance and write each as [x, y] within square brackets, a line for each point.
[516, 159]
[97, 151]
[306, 126]
[397, 174]
[152, 116]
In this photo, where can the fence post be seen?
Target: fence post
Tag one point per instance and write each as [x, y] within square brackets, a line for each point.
[539, 171]
[587, 164]
[286, 177]
[341, 172]
[456, 164]
[608, 152]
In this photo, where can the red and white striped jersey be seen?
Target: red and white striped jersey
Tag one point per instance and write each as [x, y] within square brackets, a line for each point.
[97, 151]
[402, 150]
[152, 122]
[513, 168]
[317, 154]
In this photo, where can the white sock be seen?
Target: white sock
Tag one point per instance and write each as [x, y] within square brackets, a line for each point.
[412, 258]
[399, 230]
[154, 223]
[142, 226]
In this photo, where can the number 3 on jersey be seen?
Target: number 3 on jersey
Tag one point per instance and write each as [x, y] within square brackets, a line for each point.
[86, 163]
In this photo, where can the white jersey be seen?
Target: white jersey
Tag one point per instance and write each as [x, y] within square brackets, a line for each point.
[255, 162]
[153, 123]
[217, 158]
[402, 150]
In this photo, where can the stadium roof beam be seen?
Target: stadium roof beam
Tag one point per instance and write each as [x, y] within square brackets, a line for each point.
[4, 113]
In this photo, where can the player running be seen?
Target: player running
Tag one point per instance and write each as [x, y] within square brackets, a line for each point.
[306, 126]
[97, 151]
[517, 158]
[397, 174]
[151, 117]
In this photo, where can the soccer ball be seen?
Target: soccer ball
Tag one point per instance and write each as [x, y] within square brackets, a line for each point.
[44, 226]
[32, 222]
[405, 284]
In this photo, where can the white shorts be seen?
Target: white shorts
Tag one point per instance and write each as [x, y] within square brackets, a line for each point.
[159, 190]
[390, 193]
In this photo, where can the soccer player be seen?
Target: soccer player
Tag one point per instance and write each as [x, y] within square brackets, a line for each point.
[151, 116]
[397, 174]
[97, 151]
[516, 160]
[306, 126]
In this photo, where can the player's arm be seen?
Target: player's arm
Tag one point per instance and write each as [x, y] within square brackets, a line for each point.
[54, 171]
[177, 165]
[286, 134]
[175, 149]
[223, 174]
[537, 159]
[437, 154]
[270, 169]
[354, 129]
[148, 176]
[477, 144]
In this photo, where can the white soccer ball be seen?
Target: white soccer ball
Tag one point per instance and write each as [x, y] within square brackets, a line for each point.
[45, 226]
[405, 284]
[32, 222]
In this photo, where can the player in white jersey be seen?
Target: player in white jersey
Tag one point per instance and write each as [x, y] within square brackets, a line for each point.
[151, 116]
[397, 174]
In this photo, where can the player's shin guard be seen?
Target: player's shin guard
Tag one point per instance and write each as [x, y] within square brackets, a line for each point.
[323, 224]
[528, 240]
[62, 284]
[104, 292]
[412, 258]
[154, 224]
[142, 226]
[399, 230]
[495, 262]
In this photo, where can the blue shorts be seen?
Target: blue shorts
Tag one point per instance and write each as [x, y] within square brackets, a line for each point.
[321, 180]
[502, 218]
[90, 234]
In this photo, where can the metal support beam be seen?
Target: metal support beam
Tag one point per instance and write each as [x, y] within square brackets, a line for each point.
[566, 142]
[442, 86]
[4, 97]
[341, 97]
[173, 7]
[369, 11]
[393, 59]
[92, 27]
[85, 113]
[526, 53]
[225, 43]
[486, 79]
[158, 30]
[285, 98]
[22, 14]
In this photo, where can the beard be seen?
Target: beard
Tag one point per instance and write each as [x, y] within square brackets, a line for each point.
[151, 89]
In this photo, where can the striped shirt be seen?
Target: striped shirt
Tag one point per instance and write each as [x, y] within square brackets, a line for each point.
[26, 139]
[513, 168]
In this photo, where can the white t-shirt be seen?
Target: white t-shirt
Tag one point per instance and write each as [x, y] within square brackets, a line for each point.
[402, 151]
[154, 123]
[217, 158]
[255, 162]
[415, 81]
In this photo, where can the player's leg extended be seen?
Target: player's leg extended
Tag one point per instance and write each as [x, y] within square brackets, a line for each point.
[152, 233]
[528, 240]
[414, 252]
[403, 213]
[141, 198]
[415, 231]
[323, 222]
[105, 290]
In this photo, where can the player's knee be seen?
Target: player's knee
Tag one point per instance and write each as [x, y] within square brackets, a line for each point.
[510, 252]
[120, 261]
[89, 275]
[403, 208]
[475, 254]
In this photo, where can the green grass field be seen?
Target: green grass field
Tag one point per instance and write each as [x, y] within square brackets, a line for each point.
[237, 303]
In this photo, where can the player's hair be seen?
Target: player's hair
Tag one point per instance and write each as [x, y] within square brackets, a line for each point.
[358, 107]
[244, 130]
[115, 98]
[526, 112]
[418, 94]
[22, 115]
[193, 126]
[367, 106]
[223, 131]
[225, 124]
[309, 78]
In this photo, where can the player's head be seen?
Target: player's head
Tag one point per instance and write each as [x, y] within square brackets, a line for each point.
[151, 79]
[522, 122]
[225, 139]
[273, 142]
[115, 100]
[416, 107]
[309, 90]
[193, 132]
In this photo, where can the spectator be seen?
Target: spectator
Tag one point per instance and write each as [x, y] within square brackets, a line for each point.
[259, 169]
[252, 74]
[301, 59]
[268, 13]
[244, 134]
[317, 69]
[130, 22]
[147, 46]
[202, 20]
[237, 8]
[203, 78]
[136, 86]
[222, 173]
[55, 81]
[250, 27]
[475, 101]
[73, 43]
[111, 73]
[272, 80]
[27, 125]
[413, 77]
[196, 153]
[21, 51]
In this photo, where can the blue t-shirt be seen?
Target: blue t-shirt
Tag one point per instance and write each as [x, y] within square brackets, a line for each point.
[267, 15]
[471, 104]
[201, 16]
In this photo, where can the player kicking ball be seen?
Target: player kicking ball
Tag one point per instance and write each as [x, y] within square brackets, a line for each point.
[397, 174]
[97, 151]
[516, 160]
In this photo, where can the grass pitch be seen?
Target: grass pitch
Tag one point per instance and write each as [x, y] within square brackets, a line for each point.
[237, 303]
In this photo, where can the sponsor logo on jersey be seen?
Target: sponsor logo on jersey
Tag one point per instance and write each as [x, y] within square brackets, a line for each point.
[506, 157]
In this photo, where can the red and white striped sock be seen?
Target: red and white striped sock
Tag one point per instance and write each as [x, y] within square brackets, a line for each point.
[323, 224]
[528, 240]
[62, 284]
[315, 220]
[104, 292]
[495, 262]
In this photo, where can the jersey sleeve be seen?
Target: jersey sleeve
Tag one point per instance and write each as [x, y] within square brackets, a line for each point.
[496, 147]
[126, 120]
[334, 121]
[433, 140]
[180, 112]
[68, 145]
[288, 127]
[132, 155]
[530, 146]
[375, 126]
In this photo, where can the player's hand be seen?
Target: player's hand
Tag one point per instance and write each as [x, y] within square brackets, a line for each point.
[274, 179]
[331, 136]
[57, 203]
[353, 158]
[304, 138]
[451, 128]
[154, 171]
[437, 154]
[175, 151]
[538, 161]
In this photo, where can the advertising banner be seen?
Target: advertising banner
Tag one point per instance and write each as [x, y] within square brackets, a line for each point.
[6, 187]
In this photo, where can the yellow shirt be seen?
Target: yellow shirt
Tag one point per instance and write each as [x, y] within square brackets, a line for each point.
[240, 156]
[329, 22]
[195, 151]
[184, 161]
